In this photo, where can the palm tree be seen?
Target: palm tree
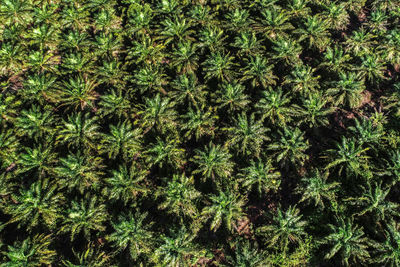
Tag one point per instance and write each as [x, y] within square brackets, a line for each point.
[114, 104]
[248, 135]
[259, 72]
[133, 232]
[315, 188]
[247, 254]
[79, 131]
[126, 184]
[87, 215]
[261, 176]
[122, 140]
[179, 250]
[375, 203]
[372, 67]
[287, 50]
[314, 110]
[336, 16]
[158, 112]
[35, 123]
[248, 44]
[179, 196]
[30, 252]
[188, 90]
[177, 29]
[303, 80]
[37, 205]
[199, 123]
[167, 152]
[38, 87]
[350, 156]
[213, 162]
[219, 65]
[185, 58]
[361, 42]
[89, 257]
[348, 90]
[238, 19]
[274, 105]
[288, 226]
[315, 31]
[77, 92]
[79, 172]
[232, 96]
[225, 207]
[366, 132]
[16, 12]
[336, 59]
[390, 249]
[40, 160]
[150, 78]
[274, 23]
[347, 242]
[8, 108]
[291, 147]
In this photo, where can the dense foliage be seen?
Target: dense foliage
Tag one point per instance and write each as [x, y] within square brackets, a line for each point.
[199, 133]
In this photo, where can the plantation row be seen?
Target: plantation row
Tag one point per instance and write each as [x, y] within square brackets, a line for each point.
[199, 133]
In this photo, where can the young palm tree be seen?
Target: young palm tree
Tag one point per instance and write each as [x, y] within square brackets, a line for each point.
[126, 184]
[348, 243]
[133, 232]
[179, 196]
[261, 176]
[225, 207]
[288, 227]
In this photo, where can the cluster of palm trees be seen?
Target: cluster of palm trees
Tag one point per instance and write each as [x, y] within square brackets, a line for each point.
[199, 133]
